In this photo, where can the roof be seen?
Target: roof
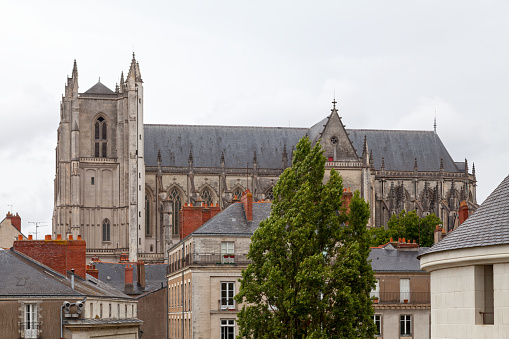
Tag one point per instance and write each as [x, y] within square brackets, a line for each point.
[29, 278]
[114, 274]
[206, 143]
[239, 144]
[389, 259]
[103, 321]
[99, 88]
[232, 220]
[488, 226]
[400, 148]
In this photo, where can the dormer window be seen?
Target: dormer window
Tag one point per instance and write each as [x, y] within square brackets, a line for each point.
[100, 138]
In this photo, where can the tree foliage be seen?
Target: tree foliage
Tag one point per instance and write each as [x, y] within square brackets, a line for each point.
[409, 226]
[309, 276]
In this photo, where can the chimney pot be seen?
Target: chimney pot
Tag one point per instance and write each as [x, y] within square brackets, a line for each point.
[59, 236]
[20, 237]
[30, 237]
[79, 237]
[47, 237]
[70, 236]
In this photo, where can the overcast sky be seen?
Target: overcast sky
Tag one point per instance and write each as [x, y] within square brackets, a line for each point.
[392, 64]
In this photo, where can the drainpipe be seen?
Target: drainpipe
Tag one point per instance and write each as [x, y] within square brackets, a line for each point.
[182, 303]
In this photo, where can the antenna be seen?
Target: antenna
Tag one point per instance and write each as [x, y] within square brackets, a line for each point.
[37, 225]
[435, 123]
[10, 211]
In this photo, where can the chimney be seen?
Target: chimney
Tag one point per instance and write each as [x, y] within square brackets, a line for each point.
[439, 234]
[247, 200]
[140, 274]
[347, 198]
[15, 220]
[193, 216]
[463, 212]
[94, 272]
[128, 288]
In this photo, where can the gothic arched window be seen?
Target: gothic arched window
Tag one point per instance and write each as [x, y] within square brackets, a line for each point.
[206, 197]
[237, 192]
[269, 194]
[106, 230]
[176, 202]
[147, 214]
[100, 138]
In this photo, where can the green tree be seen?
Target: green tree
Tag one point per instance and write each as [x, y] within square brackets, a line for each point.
[409, 226]
[309, 276]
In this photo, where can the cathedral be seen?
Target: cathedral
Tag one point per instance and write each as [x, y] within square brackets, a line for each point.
[120, 183]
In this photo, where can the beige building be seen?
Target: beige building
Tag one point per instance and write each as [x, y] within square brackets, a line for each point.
[402, 293]
[10, 230]
[119, 182]
[204, 271]
[470, 274]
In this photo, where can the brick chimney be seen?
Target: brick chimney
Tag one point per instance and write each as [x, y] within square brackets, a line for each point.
[347, 198]
[192, 217]
[15, 220]
[60, 255]
[91, 270]
[463, 212]
[140, 274]
[247, 200]
[128, 288]
[439, 234]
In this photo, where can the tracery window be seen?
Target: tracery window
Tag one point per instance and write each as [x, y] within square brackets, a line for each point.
[176, 203]
[238, 193]
[206, 196]
[106, 230]
[269, 194]
[100, 138]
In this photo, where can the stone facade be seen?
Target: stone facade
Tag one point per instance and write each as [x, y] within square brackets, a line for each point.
[133, 180]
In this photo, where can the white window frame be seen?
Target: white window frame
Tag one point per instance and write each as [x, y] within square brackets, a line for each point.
[377, 319]
[227, 249]
[227, 328]
[30, 317]
[405, 324]
[404, 290]
[227, 287]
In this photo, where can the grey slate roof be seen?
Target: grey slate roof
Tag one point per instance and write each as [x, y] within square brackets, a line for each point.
[114, 274]
[393, 260]
[208, 142]
[99, 88]
[27, 277]
[232, 220]
[488, 226]
[398, 148]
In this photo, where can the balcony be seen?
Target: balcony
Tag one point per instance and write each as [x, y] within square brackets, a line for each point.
[400, 298]
[29, 330]
[209, 259]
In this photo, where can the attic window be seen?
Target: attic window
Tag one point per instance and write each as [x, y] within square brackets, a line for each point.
[334, 140]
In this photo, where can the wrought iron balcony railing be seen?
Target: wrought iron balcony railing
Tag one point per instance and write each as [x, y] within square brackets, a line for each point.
[208, 259]
[30, 329]
[401, 297]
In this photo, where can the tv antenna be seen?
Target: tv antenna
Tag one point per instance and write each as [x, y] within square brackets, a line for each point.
[37, 225]
[10, 211]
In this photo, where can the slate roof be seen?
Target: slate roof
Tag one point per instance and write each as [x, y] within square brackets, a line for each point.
[488, 226]
[99, 88]
[393, 260]
[232, 220]
[27, 277]
[114, 274]
[398, 148]
[208, 142]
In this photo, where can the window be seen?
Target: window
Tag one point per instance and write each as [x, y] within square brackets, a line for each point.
[147, 214]
[227, 293]
[375, 293]
[31, 321]
[237, 193]
[92, 181]
[405, 324]
[100, 138]
[227, 329]
[377, 318]
[404, 290]
[109, 311]
[269, 195]
[106, 230]
[176, 202]
[206, 196]
[101, 310]
[484, 296]
[227, 252]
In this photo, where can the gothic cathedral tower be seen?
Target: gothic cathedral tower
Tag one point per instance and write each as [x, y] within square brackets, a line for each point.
[100, 169]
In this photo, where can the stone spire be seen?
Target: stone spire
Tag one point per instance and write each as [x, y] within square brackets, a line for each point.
[134, 70]
[371, 159]
[466, 166]
[75, 70]
[473, 169]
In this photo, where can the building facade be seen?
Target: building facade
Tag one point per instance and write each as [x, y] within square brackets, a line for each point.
[402, 293]
[470, 274]
[120, 182]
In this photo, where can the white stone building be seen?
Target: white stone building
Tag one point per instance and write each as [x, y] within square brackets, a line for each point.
[470, 274]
